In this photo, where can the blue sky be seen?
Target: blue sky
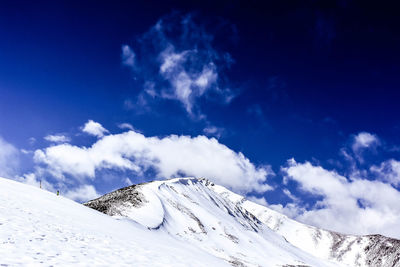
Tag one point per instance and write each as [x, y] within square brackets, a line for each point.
[275, 102]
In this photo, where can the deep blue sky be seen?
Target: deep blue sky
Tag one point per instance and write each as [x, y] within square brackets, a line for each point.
[307, 75]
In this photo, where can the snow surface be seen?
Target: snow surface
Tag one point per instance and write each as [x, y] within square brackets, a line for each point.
[178, 222]
[348, 250]
[40, 228]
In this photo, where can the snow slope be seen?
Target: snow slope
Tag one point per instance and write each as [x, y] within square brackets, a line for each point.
[351, 250]
[39, 228]
[178, 222]
[190, 211]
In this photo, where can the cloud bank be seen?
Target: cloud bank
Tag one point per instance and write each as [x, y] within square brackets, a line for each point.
[348, 204]
[170, 156]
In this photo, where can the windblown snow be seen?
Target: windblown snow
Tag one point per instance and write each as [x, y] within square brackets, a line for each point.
[178, 222]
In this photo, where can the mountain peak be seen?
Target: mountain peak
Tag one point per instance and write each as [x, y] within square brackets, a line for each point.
[206, 215]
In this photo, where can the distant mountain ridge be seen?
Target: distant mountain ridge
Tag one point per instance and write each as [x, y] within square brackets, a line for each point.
[226, 225]
[352, 250]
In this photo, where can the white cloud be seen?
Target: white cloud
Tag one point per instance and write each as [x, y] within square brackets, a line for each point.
[9, 159]
[57, 138]
[360, 144]
[82, 193]
[290, 195]
[187, 84]
[128, 56]
[170, 156]
[205, 79]
[388, 171]
[364, 140]
[170, 60]
[94, 128]
[354, 205]
[67, 159]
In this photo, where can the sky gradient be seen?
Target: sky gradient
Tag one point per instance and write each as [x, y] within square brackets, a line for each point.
[293, 104]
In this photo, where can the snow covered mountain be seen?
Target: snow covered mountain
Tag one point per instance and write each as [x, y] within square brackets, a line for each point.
[241, 232]
[40, 228]
[178, 222]
[350, 250]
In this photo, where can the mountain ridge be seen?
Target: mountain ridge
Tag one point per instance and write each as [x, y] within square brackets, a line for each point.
[377, 252]
[341, 249]
[187, 209]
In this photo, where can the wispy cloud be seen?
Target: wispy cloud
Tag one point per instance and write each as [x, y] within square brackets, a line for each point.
[32, 140]
[127, 56]
[176, 60]
[126, 125]
[364, 140]
[57, 138]
[9, 159]
[128, 181]
[388, 171]
[212, 130]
